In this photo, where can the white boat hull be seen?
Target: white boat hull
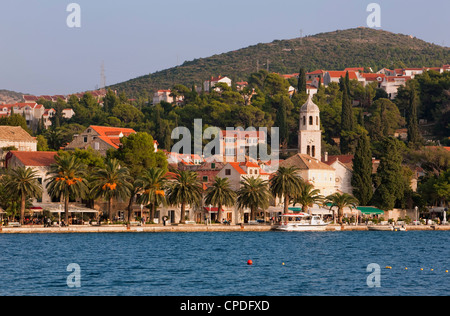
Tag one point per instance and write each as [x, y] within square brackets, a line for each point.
[302, 228]
[381, 228]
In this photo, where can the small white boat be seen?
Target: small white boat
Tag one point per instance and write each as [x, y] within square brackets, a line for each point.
[301, 222]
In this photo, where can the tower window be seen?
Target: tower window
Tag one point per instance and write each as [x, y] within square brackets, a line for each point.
[304, 120]
[313, 151]
[310, 120]
[308, 150]
[317, 120]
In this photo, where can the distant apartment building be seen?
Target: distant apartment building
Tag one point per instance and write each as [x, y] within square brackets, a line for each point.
[33, 113]
[237, 143]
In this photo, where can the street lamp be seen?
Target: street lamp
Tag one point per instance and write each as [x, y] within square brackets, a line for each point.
[417, 214]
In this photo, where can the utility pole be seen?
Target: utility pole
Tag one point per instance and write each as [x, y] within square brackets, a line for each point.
[102, 76]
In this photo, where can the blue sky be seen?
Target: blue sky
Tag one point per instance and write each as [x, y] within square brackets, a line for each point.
[40, 54]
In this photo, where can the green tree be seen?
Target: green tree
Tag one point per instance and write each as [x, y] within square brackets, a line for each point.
[111, 182]
[408, 99]
[389, 178]
[307, 196]
[220, 194]
[23, 182]
[183, 190]
[285, 184]
[347, 119]
[362, 171]
[341, 201]
[67, 179]
[152, 184]
[253, 194]
[302, 80]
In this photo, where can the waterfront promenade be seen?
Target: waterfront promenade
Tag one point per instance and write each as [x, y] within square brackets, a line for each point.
[183, 228]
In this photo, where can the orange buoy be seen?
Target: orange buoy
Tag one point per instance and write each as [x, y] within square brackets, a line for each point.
[249, 262]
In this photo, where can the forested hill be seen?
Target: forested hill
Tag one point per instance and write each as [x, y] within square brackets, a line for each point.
[329, 51]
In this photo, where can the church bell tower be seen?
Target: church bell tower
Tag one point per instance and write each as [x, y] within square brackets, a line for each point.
[310, 134]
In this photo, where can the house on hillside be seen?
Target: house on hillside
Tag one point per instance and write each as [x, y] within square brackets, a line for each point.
[211, 83]
[99, 138]
[165, 95]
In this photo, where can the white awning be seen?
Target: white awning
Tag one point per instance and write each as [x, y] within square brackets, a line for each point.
[59, 208]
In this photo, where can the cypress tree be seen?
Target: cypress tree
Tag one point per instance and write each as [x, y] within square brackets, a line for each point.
[301, 81]
[281, 122]
[347, 121]
[389, 176]
[413, 126]
[362, 171]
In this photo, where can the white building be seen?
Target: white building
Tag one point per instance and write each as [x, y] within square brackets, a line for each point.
[310, 133]
[209, 84]
[39, 161]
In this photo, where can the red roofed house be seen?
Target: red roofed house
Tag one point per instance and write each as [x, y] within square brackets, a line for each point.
[391, 84]
[310, 76]
[213, 81]
[39, 161]
[99, 138]
[236, 172]
[370, 77]
[334, 76]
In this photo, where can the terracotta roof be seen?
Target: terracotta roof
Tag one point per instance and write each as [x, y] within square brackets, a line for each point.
[338, 74]
[315, 72]
[35, 158]
[106, 130]
[303, 162]
[373, 77]
[342, 158]
[15, 133]
[237, 167]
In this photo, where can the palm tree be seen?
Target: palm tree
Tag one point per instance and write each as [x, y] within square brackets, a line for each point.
[111, 182]
[253, 194]
[220, 194]
[185, 189]
[341, 201]
[67, 179]
[23, 182]
[307, 196]
[286, 184]
[152, 184]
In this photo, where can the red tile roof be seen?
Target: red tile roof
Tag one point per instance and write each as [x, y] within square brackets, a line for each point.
[35, 158]
[338, 74]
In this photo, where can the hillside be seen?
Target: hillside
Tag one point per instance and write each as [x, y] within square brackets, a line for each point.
[331, 51]
[8, 97]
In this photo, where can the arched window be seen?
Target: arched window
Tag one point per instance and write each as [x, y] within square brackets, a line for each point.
[313, 151]
[308, 150]
[317, 120]
[310, 120]
[304, 120]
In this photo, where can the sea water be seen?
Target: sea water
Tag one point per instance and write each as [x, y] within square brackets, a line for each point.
[215, 264]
